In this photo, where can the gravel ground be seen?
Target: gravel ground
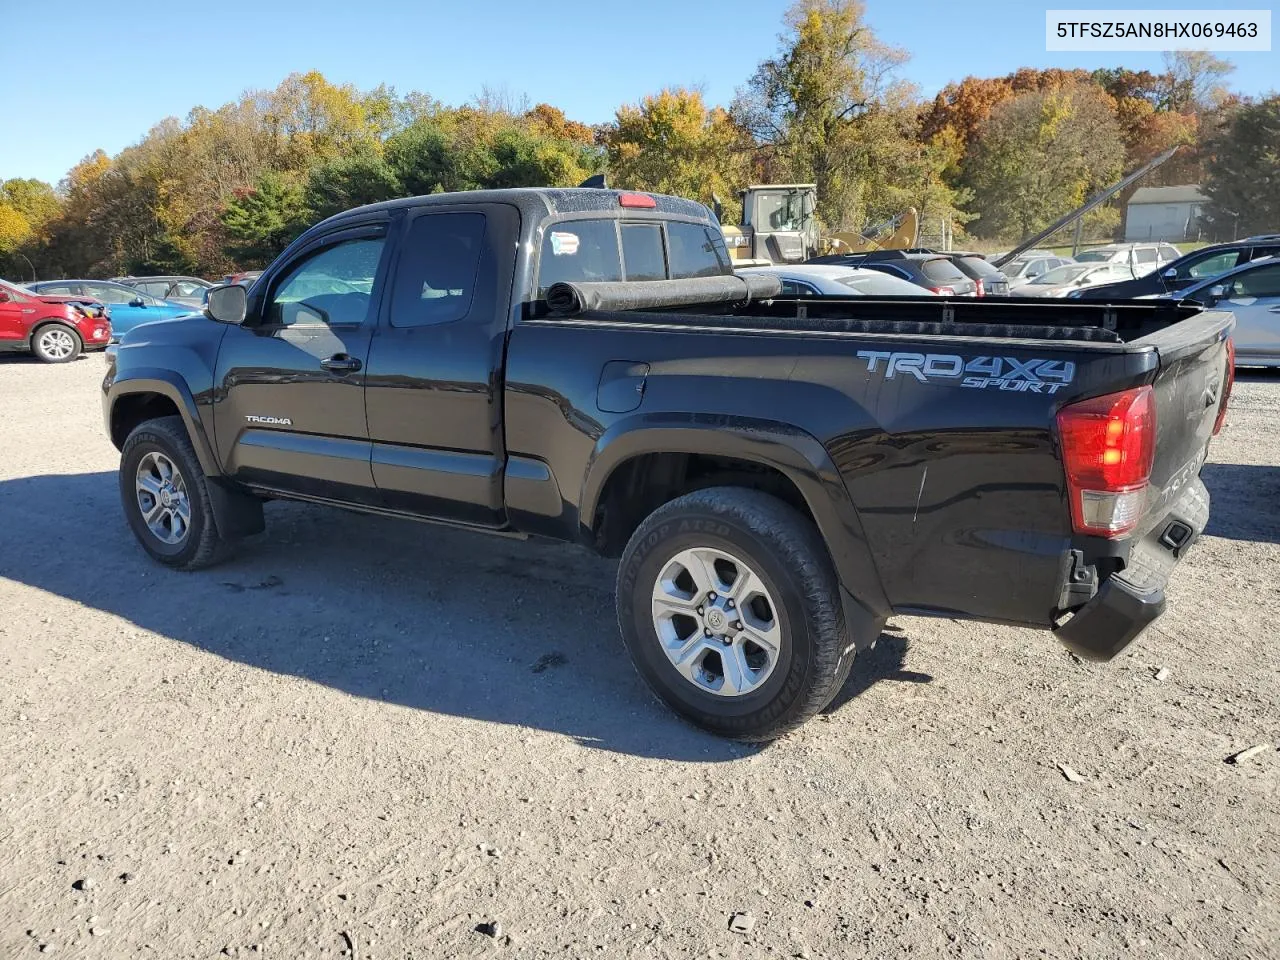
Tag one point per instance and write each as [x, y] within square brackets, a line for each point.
[398, 740]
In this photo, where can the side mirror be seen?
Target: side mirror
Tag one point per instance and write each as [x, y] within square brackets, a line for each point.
[1170, 274]
[1217, 292]
[228, 303]
[4, 297]
[137, 302]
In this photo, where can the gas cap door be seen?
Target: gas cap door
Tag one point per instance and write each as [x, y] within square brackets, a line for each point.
[621, 386]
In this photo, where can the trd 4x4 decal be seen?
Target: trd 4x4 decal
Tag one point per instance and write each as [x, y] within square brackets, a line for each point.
[980, 373]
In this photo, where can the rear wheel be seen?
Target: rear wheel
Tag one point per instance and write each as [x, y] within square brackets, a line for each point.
[729, 606]
[56, 343]
[164, 495]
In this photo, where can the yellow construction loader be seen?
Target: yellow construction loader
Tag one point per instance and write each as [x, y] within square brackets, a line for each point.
[780, 225]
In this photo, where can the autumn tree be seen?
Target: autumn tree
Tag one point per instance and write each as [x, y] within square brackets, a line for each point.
[1243, 174]
[308, 120]
[1041, 155]
[671, 142]
[1194, 80]
[824, 103]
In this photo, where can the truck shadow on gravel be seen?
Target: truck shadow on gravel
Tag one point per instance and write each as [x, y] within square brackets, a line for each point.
[416, 615]
[1244, 498]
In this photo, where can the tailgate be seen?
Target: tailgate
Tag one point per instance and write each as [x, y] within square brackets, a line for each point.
[1190, 389]
[1122, 581]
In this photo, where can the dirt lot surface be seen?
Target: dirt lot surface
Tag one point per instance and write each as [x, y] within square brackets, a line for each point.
[376, 737]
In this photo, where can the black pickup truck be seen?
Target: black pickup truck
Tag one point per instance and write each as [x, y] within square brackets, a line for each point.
[778, 476]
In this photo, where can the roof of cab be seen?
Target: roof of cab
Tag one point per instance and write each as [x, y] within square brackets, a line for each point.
[547, 201]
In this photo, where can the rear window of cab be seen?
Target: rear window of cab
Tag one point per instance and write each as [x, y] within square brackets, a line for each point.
[608, 250]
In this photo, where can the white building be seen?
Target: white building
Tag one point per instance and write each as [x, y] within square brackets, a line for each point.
[1164, 213]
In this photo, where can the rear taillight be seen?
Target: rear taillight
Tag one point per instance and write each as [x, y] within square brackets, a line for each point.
[944, 291]
[978, 288]
[1226, 387]
[1108, 444]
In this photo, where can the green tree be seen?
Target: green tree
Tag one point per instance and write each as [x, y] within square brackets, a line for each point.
[1041, 155]
[525, 159]
[262, 222]
[361, 177]
[1243, 173]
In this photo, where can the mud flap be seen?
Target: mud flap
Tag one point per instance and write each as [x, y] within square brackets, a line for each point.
[235, 514]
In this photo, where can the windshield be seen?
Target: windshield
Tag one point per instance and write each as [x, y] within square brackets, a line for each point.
[1061, 275]
[780, 211]
[1095, 256]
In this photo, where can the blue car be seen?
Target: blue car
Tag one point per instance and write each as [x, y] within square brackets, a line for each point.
[127, 305]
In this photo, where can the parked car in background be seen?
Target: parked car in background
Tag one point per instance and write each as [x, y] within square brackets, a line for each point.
[184, 290]
[129, 307]
[1140, 258]
[1062, 281]
[1189, 270]
[933, 271]
[55, 329]
[990, 280]
[246, 277]
[1252, 293]
[1029, 265]
[831, 280]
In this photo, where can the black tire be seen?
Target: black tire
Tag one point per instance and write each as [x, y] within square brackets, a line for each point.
[56, 343]
[787, 553]
[202, 546]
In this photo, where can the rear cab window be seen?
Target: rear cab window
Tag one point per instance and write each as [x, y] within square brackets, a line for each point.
[941, 270]
[604, 250]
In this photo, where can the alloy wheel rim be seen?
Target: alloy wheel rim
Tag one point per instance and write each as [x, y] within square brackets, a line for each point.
[716, 621]
[57, 344]
[162, 498]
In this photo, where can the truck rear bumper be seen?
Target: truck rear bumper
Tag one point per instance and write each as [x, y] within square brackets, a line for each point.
[1112, 620]
[1128, 602]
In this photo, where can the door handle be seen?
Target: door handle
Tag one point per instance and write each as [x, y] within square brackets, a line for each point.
[1275, 309]
[341, 363]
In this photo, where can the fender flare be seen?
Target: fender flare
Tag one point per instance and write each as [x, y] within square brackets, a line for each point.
[167, 384]
[797, 455]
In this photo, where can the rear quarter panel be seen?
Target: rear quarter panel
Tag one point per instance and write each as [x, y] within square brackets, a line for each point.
[954, 496]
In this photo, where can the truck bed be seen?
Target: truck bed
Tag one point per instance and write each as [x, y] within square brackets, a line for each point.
[1020, 318]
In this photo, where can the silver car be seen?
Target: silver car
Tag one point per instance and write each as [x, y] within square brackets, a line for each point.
[1032, 264]
[830, 280]
[1061, 281]
[1139, 258]
[1252, 293]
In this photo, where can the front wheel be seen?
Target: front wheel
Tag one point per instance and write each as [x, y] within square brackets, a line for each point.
[55, 343]
[164, 495]
[730, 608]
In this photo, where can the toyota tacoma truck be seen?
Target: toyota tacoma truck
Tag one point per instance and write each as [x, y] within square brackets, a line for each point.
[776, 475]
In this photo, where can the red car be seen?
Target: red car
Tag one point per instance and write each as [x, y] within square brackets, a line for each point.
[55, 329]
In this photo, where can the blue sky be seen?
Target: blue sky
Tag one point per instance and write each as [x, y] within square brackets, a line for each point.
[79, 75]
